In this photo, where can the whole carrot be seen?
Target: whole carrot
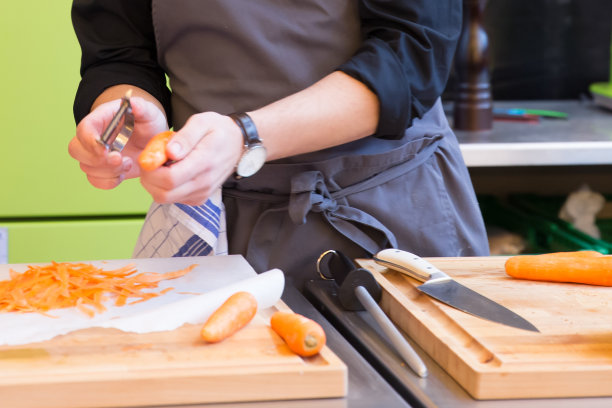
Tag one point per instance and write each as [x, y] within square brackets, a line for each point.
[303, 336]
[235, 313]
[588, 267]
[154, 154]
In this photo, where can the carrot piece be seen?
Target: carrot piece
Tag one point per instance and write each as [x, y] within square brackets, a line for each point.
[303, 336]
[154, 154]
[589, 267]
[235, 313]
[154, 277]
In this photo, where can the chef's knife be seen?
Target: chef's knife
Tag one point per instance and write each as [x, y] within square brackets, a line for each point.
[443, 288]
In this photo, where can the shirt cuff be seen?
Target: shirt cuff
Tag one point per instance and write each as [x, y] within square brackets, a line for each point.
[378, 68]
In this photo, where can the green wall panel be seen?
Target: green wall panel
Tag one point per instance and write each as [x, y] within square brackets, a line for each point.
[39, 70]
[65, 241]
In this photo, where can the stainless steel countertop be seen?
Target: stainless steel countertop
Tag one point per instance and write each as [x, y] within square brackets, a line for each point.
[585, 138]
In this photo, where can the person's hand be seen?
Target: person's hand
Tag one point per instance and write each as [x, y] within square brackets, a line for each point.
[206, 151]
[106, 169]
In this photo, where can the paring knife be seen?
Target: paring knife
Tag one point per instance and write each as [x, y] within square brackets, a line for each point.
[443, 288]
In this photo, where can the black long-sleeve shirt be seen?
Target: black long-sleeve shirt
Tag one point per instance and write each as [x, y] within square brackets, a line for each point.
[405, 56]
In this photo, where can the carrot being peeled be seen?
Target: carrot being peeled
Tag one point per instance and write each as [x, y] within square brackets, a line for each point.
[235, 313]
[589, 267]
[154, 154]
[303, 336]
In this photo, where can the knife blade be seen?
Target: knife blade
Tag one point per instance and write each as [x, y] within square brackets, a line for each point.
[442, 287]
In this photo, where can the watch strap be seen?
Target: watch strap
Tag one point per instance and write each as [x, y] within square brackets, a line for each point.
[247, 127]
[252, 145]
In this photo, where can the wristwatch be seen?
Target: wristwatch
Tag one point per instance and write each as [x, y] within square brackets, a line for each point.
[254, 154]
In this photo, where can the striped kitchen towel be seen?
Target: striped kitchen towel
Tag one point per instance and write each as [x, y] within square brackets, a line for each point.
[171, 230]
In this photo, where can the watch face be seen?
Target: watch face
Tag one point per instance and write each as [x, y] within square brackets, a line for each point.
[251, 161]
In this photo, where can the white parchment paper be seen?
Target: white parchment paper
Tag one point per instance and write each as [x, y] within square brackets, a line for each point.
[194, 297]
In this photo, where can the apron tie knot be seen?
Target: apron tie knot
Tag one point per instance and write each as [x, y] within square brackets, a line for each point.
[309, 193]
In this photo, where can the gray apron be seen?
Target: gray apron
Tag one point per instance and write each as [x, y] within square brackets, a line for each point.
[412, 193]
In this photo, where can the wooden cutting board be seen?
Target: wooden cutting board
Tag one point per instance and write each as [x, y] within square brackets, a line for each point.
[570, 357]
[102, 367]
[110, 368]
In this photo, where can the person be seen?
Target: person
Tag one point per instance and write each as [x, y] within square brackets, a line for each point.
[343, 95]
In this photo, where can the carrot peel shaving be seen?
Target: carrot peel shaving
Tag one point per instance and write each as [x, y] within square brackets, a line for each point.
[80, 285]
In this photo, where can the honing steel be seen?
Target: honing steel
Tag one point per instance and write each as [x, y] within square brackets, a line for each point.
[358, 291]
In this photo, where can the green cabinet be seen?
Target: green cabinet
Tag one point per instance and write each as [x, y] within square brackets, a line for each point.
[70, 240]
[42, 189]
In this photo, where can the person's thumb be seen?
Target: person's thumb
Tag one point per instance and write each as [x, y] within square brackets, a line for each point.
[185, 140]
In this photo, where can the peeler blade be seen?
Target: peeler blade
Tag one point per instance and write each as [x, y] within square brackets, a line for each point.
[119, 130]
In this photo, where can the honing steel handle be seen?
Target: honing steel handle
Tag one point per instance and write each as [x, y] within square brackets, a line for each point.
[409, 264]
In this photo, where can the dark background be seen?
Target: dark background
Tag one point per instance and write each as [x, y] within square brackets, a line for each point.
[546, 49]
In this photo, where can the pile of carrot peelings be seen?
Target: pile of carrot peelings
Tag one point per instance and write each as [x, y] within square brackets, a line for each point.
[81, 285]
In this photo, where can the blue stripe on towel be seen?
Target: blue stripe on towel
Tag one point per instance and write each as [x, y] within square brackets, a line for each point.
[195, 246]
[207, 215]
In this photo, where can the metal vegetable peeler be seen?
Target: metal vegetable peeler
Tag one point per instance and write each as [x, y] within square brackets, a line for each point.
[120, 127]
